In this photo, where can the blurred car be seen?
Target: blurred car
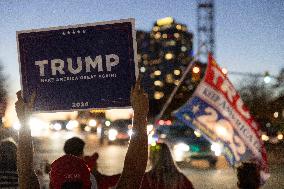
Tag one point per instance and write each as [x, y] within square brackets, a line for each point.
[89, 124]
[57, 125]
[188, 144]
[119, 131]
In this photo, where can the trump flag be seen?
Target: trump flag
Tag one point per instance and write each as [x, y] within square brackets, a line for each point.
[217, 110]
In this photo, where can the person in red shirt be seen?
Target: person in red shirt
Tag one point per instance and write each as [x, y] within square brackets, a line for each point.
[164, 173]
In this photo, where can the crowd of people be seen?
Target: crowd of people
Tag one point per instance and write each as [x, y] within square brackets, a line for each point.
[74, 170]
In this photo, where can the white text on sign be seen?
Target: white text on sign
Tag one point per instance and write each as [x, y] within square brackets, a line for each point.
[57, 65]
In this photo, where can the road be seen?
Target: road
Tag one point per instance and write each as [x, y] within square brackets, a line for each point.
[111, 157]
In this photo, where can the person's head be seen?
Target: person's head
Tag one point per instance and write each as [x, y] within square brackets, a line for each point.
[74, 146]
[69, 172]
[161, 157]
[164, 171]
[248, 174]
[8, 155]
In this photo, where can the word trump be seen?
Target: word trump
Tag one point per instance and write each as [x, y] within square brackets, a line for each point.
[57, 65]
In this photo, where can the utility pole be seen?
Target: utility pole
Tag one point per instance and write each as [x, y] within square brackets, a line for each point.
[205, 28]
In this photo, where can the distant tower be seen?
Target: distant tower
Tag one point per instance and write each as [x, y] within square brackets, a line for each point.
[205, 28]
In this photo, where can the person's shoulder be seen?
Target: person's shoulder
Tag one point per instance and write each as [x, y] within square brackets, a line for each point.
[6, 174]
[8, 179]
[186, 182]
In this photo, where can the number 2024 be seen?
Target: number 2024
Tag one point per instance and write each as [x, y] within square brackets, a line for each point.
[80, 104]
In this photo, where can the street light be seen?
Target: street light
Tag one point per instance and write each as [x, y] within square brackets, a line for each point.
[267, 78]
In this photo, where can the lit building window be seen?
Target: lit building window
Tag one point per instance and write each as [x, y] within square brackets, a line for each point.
[183, 48]
[196, 69]
[157, 72]
[169, 56]
[142, 69]
[176, 72]
[178, 27]
[158, 95]
[171, 43]
[176, 35]
[157, 35]
[145, 56]
[155, 28]
[176, 82]
[169, 78]
[165, 21]
[158, 83]
[164, 36]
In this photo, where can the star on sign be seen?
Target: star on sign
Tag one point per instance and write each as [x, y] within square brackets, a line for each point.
[195, 108]
[186, 117]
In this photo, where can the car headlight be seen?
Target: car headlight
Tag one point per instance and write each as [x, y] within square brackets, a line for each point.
[179, 151]
[181, 147]
[217, 148]
[57, 126]
[112, 133]
[92, 123]
[72, 124]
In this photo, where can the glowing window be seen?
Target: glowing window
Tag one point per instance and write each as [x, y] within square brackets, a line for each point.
[178, 27]
[158, 83]
[176, 72]
[157, 72]
[142, 69]
[169, 56]
[155, 28]
[165, 21]
[196, 69]
[169, 78]
[158, 95]
[183, 48]
[176, 82]
[176, 35]
[157, 35]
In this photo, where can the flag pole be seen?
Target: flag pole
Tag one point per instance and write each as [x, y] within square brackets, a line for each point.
[169, 100]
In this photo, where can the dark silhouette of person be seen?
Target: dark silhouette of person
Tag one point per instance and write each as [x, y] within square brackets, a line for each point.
[248, 174]
[164, 174]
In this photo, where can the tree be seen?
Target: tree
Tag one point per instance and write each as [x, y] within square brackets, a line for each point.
[257, 96]
[3, 91]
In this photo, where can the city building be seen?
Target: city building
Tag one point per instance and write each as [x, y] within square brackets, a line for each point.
[163, 55]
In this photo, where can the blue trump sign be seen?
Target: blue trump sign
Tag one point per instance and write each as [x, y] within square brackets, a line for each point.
[79, 67]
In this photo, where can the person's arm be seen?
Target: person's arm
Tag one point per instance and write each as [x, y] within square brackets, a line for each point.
[137, 154]
[27, 177]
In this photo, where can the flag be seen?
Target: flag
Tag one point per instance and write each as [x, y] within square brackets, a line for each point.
[217, 110]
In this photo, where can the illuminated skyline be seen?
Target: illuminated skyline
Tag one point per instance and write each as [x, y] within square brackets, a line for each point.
[249, 34]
